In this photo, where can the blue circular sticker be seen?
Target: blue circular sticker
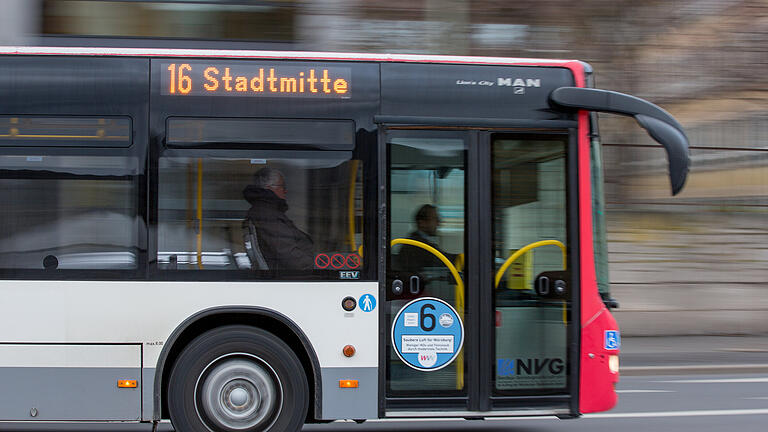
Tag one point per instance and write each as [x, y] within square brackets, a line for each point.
[367, 303]
[427, 334]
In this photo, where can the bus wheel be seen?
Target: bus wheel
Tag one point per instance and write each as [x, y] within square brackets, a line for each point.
[237, 378]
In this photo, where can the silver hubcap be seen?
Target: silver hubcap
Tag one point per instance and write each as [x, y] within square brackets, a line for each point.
[239, 392]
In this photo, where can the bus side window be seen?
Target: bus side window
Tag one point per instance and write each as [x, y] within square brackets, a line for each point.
[269, 216]
[69, 191]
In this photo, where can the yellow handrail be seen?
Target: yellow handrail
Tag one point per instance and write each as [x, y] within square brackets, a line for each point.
[351, 204]
[459, 263]
[525, 249]
[199, 213]
[459, 292]
[434, 252]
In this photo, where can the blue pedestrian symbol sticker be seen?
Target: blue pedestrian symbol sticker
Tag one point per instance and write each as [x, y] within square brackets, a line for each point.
[427, 334]
[612, 340]
[367, 303]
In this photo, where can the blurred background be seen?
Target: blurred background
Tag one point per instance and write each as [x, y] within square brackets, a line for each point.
[693, 264]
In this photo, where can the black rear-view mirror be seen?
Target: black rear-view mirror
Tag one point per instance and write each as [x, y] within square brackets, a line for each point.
[659, 124]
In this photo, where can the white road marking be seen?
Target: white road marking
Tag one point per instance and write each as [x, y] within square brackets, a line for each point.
[749, 350]
[757, 398]
[698, 413]
[707, 367]
[395, 420]
[645, 391]
[718, 381]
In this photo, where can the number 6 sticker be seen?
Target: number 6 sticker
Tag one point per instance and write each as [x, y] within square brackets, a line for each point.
[427, 334]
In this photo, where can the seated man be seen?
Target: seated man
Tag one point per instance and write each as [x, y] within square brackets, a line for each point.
[283, 245]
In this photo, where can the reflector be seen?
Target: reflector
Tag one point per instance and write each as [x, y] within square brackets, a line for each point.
[348, 384]
[127, 383]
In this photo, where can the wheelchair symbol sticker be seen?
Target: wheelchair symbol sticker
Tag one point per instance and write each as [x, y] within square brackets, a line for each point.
[612, 340]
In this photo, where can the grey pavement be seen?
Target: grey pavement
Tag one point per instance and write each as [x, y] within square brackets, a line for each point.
[644, 360]
[669, 355]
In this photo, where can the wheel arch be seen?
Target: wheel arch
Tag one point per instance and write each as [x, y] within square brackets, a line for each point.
[255, 316]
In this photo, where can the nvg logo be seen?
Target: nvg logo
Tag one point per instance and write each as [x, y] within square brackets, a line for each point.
[510, 367]
[505, 367]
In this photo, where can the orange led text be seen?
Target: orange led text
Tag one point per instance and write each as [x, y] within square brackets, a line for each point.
[222, 80]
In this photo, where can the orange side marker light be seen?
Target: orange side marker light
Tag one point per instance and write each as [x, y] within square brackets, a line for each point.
[127, 383]
[348, 384]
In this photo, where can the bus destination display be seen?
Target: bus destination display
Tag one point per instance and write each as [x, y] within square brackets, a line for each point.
[255, 80]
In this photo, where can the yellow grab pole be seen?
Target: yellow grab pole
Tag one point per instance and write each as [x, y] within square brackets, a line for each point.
[525, 249]
[199, 213]
[434, 252]
[459, 293]
[351, 204]
[460, 308]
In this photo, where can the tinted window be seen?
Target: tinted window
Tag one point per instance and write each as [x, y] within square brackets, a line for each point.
[68, 210]
[306, 134]
[530, 240]
[23, 131]
[427, 207]
[267, 214]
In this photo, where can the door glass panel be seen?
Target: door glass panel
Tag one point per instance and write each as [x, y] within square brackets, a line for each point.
[427, 205]
[530, 243]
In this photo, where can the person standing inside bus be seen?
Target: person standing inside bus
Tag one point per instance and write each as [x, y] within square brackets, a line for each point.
[283, 245]
[416, 259]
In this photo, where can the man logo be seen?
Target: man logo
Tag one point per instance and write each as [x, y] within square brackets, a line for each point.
[518, 82]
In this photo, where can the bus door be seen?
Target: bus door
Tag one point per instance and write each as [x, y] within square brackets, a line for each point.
[477, 288]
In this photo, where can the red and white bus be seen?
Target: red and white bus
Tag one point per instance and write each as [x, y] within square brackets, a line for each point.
[249, 241]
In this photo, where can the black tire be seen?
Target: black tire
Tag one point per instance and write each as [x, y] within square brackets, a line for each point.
[235, 379]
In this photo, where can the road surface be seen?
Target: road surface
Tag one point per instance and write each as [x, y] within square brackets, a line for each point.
[680, 403]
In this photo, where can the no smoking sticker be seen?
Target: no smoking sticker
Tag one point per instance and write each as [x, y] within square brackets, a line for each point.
[322, 261]
[337, 261]
[353, 261]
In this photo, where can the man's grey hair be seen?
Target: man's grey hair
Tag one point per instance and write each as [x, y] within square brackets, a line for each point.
[266, 177]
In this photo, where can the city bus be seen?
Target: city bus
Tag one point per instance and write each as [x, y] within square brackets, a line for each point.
[252, 241]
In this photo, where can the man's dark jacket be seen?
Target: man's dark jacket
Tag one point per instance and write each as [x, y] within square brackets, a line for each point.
[284, 246]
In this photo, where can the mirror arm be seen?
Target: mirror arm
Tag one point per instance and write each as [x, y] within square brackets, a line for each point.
[659, 124]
